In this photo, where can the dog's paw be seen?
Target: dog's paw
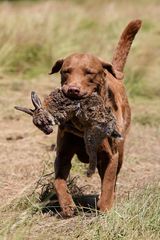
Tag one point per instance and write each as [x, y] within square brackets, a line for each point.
[68, 211]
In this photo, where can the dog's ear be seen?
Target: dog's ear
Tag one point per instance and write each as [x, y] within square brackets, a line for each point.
[109, 67]
[57, 66]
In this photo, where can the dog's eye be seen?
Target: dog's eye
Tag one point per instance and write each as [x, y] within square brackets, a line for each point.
[91, 80]
[89, 72]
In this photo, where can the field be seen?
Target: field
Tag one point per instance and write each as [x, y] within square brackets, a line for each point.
[33, 35]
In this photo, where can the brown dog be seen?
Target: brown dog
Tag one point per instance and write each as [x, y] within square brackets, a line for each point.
[81, 75]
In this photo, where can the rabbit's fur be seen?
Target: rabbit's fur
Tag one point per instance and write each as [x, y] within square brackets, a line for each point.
[88, 118]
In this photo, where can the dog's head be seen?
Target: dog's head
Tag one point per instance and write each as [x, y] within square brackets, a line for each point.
[83, 74]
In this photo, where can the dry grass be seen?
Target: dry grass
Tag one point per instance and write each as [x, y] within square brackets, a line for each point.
[35, 35]
[134, 218]
[32, 37]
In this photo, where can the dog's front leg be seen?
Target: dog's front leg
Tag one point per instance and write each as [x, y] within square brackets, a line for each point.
[65, 152]
[107, 167]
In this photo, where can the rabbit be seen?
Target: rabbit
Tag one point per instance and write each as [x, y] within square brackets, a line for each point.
[41, 117]
[88, 118]
[52, 113]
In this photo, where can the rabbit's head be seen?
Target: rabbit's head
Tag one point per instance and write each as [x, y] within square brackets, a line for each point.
[41, 117]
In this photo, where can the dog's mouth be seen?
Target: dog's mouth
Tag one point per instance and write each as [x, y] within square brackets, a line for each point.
[75, 96]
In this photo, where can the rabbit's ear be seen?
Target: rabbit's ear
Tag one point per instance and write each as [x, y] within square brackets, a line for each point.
[26, 110]
[35, 100]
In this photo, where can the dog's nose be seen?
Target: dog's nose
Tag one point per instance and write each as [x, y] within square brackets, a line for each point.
[73, 91]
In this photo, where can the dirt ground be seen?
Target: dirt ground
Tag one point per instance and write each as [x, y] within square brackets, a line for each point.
[25, 151]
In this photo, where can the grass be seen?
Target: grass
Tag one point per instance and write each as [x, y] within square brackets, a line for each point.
[147, 119]
[33, 35]
[137, 217]
[147, 113]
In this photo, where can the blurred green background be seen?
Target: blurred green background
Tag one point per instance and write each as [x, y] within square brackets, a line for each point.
[36, 33]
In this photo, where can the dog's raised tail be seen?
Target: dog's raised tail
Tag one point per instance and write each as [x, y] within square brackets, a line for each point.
[124, 44]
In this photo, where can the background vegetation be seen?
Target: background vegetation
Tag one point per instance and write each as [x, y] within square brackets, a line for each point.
[34, 34]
